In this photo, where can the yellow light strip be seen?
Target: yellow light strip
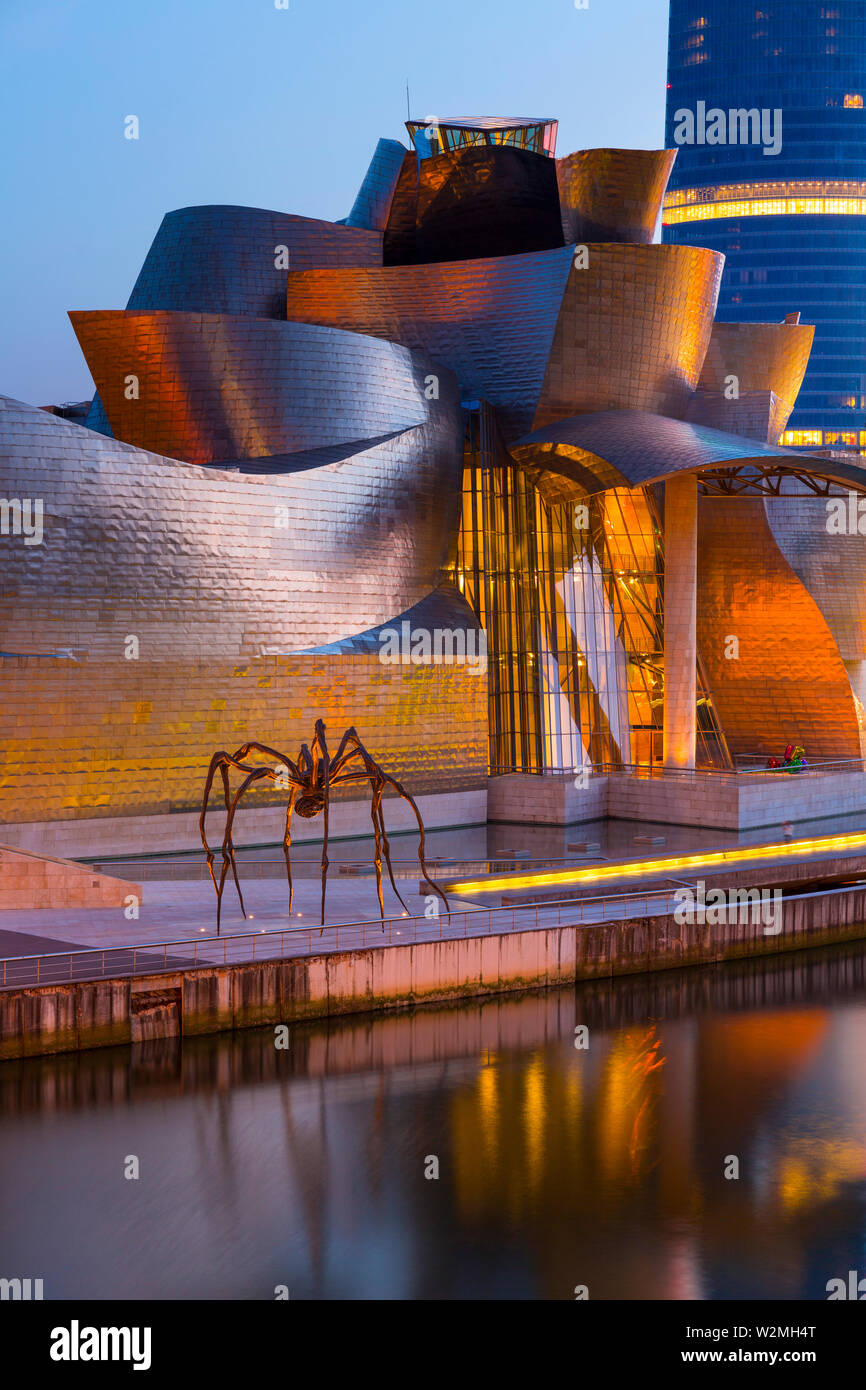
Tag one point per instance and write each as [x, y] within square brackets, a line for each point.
[544, 878]
[749, 192]
[769, 207]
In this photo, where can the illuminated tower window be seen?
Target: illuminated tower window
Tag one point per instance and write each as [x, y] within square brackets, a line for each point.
[792, 204]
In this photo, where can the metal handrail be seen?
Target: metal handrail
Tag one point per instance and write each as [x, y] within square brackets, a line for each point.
[830, 762]
[572, 906]
[333, 926]
[657, 770]
[161, 871]
[652, 770]
[383, 933]
[840, 764]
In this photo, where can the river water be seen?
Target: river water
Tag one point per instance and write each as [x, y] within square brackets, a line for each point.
[559, 1167]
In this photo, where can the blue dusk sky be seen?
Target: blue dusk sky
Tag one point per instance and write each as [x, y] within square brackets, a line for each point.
[241, 102]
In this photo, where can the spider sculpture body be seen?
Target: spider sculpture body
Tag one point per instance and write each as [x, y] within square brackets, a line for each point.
[310, 780]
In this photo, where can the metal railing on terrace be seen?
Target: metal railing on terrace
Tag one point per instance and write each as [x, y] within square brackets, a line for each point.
[148, 958]
[180, 870]
[747, 765]
[153, 958]
[751, 763]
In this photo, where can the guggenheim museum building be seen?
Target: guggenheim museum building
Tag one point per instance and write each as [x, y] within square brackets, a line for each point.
[476, 470]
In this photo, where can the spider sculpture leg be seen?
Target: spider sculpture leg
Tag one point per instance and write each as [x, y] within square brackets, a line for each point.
[215, 762]
[223, 761]
[321, 759]
[378, 855]
[287, 843]
[401, 791]
[341, 770]
[266, 752]
[371, 764]
[351, 747]
[350, 750]
[228, 848]
[228, 857]
[305, 765]
[378, 789]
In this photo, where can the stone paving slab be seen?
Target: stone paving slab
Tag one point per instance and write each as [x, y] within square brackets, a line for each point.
[17, 943]
[177, 910]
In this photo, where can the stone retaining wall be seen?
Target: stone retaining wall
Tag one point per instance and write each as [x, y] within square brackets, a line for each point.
[711, 800]
[30, 880]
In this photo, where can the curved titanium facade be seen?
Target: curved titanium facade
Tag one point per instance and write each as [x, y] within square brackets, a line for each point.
[209, 562]
[373, 203]
[212, 388]
[444, 608]
[492, 322]
[612, 195]
[223, 260]
[398, 240]
[116, 738]
[753, 414]
[235, 260]
[788, 682]
[481, 199]
[536, 336]
[784, 252]
[760, 357]
[220, 579]
[632, 332]
[477, 201]
[831, 566]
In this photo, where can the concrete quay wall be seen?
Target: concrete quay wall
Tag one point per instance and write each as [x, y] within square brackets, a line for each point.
[37, 1020]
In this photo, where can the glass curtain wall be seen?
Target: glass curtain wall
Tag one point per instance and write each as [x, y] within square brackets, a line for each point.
[571, 596]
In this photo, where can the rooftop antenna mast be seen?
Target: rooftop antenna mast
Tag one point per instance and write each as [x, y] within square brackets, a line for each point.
[408, 111]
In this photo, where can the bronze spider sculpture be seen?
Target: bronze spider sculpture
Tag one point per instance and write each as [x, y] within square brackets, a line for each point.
[310, 781]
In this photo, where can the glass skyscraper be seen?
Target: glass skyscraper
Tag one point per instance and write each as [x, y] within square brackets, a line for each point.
[791, 220]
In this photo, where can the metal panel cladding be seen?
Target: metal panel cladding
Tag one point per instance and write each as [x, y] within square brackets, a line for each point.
[215, 388]
[612, 195]
[544, 335]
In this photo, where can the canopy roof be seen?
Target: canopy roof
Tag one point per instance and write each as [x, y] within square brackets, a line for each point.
[629, 448]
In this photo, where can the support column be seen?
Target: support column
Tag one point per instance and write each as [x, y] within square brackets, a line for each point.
[681, 555]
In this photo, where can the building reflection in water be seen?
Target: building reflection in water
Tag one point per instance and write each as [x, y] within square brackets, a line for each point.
[558, 1166]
